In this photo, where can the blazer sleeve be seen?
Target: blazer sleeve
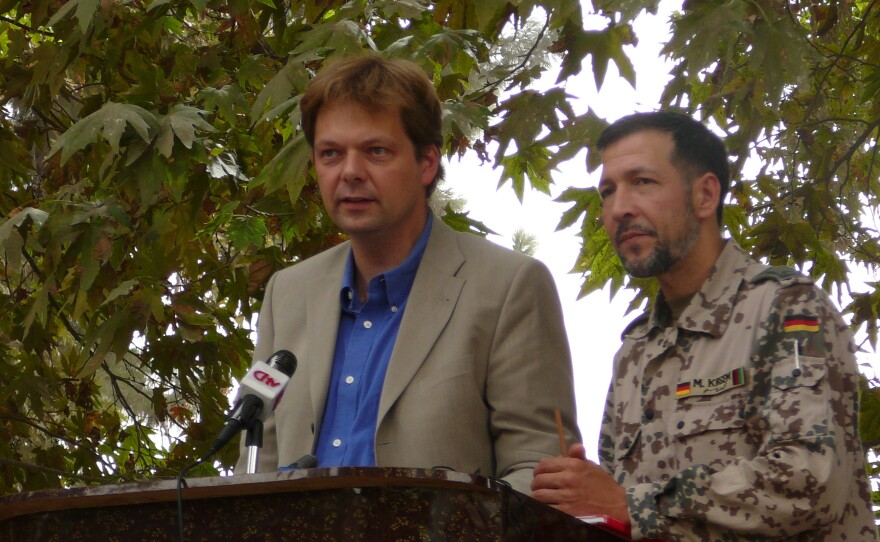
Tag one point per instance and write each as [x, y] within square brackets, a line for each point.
[529, 376]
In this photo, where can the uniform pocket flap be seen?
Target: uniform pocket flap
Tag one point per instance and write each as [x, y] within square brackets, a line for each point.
[695, 415]
[793, 373]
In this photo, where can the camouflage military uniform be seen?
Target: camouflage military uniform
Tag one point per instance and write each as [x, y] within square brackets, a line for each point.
[738, 422]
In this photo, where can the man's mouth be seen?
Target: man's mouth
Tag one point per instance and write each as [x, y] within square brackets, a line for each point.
[624, 235]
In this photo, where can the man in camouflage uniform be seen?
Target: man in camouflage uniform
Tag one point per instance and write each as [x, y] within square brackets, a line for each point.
[732, 411]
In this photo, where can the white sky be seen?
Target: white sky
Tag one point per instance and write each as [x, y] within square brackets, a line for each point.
[593, 323]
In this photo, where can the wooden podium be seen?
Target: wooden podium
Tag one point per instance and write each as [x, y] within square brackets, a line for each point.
[338, 504]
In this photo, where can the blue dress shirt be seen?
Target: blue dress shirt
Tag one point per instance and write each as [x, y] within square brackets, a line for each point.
[366, 337]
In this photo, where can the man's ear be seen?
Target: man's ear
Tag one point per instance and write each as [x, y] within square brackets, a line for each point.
[430, 161]
[705, 194]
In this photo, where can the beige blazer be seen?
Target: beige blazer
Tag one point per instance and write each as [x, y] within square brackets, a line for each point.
[481, 361]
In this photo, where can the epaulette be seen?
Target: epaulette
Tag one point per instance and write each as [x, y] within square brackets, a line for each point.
[780, 274]
[640, 319]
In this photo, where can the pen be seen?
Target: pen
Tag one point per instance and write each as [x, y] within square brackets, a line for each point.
[563, 448]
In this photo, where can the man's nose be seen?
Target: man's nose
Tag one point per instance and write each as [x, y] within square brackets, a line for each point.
[353, 167]
[620, 205]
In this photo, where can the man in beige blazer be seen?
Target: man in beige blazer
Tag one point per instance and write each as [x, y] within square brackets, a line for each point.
[480, 359]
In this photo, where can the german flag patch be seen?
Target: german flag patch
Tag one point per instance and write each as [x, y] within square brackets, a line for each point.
[683, 389]
[801, 323]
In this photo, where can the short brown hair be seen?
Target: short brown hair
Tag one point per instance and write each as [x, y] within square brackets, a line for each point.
[375, 82]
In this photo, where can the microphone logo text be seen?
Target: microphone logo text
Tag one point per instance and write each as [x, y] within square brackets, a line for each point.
[266, 378]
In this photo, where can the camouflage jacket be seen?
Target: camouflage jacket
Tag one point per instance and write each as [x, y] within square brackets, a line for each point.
[739, 421]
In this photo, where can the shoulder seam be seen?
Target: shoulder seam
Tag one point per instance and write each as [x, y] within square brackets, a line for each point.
[638, 320]
[778, 273]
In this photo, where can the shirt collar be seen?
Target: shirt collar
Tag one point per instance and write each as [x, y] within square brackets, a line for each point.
[397, 282]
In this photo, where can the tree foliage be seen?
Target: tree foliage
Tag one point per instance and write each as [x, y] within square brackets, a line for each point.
[154, 175]
[524, 242]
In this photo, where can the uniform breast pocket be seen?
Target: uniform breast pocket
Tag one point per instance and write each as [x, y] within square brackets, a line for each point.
[710, 430]
[799, 398]
[805, 371]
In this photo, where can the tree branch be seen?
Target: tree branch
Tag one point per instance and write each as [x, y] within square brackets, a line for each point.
[15, 23]
[492, 86]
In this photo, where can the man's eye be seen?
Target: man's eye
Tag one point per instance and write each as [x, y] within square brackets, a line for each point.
[378, 151]
[605, 192]
[328, 153]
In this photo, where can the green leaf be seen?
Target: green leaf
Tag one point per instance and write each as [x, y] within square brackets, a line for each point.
[529, 163]
[225, 100]
[120, 290]
[182, 121]
[62, 12]
[38, 310]
[157, 3]
[287, 169]
[604, 46]
[247, 232]
[36, 215]
[280, 92]
[109, 121]
[85, 12]
[527, 114]
[584, 201]
[461, 222]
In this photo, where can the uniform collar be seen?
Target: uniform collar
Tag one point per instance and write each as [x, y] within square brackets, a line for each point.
[711, 307]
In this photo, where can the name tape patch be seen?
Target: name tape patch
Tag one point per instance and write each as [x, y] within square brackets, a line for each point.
[713, 385]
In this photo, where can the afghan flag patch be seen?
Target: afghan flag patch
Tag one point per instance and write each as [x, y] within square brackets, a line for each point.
[801, 323]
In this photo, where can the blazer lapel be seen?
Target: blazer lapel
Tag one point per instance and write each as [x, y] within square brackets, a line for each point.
[431, 302]
[322, 323]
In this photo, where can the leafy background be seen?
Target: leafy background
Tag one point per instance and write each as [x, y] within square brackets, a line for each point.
[154, 176]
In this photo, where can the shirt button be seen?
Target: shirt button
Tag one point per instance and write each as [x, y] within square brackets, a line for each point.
[368, 324]
[649, 414]
[394, 308]
[349, 379]
[337, 443]
[680, 425]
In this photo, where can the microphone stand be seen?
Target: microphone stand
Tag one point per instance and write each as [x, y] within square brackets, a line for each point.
[254, 441]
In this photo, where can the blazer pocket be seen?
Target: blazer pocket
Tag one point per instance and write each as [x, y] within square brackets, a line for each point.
[445, 372]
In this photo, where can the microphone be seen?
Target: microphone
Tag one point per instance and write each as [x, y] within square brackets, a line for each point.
[307, 461]
[265, 382]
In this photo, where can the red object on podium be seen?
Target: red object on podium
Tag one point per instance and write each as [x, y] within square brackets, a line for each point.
[350, 504]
